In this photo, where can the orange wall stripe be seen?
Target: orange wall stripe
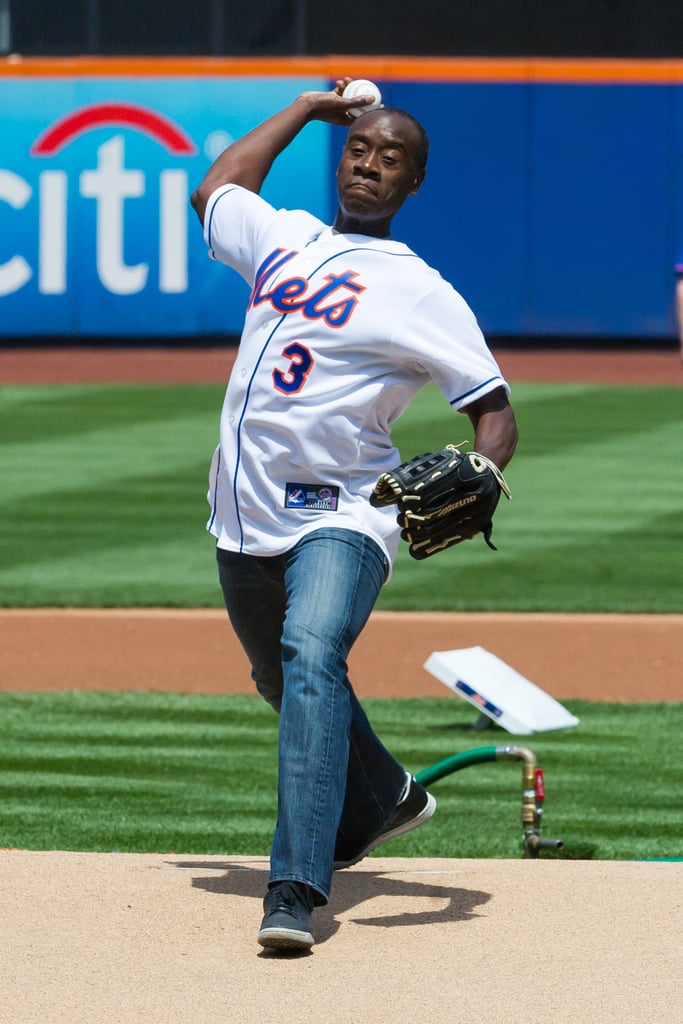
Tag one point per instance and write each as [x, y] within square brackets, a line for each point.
[577, 71]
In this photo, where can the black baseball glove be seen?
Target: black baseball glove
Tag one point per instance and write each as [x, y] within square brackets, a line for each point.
[443, 498]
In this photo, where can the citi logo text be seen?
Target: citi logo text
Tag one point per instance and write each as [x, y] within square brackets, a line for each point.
[109, 184]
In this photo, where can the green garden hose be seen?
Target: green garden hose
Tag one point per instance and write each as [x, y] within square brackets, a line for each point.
[533, 788]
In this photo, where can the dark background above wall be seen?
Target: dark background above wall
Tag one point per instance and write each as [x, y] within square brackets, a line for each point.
[582, 28]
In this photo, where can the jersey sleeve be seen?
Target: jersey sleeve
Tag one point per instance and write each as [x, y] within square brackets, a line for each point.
[234, 220]
[240, 228]
[442, 337]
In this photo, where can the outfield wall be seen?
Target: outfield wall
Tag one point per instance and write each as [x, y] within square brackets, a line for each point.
[554, 198]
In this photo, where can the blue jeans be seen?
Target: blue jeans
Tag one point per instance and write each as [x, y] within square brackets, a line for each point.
[297, 616]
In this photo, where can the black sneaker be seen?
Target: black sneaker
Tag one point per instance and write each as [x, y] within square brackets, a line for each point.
[287, 923]
[416, 807]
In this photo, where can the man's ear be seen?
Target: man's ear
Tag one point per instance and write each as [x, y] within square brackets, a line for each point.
[419, 178]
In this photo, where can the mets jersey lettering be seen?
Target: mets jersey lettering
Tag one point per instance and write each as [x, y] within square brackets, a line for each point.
[330, 302]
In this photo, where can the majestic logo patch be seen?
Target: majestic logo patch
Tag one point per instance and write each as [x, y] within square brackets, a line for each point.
[318, 497]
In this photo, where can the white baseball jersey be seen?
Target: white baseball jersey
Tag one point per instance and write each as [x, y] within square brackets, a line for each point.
[340, 333]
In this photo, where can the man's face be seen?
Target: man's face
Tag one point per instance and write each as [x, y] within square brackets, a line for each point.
[378, 169]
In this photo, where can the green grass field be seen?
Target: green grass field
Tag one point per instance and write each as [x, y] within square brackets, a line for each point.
[103, 501]
[196, 774]
[103, 504]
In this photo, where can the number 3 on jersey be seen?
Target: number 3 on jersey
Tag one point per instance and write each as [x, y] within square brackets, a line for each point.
[291, 380]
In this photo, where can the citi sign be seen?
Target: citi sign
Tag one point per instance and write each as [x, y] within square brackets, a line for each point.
[110, 185]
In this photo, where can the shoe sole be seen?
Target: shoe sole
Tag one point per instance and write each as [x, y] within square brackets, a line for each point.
[284, 938]
[400, 830]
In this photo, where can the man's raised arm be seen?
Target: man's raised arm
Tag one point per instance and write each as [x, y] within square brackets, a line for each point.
[247, 161]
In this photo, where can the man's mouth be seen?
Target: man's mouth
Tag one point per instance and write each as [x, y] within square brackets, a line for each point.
[363, 186]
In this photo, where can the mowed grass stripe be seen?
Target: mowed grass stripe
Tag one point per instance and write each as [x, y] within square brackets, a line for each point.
[197, 774]
[106, 503]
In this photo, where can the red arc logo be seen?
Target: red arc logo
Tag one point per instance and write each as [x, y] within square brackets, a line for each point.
[125, 114]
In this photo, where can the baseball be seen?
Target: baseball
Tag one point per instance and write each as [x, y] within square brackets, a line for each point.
[363, 87]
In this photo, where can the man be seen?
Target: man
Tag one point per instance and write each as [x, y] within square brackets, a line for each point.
[344, 325]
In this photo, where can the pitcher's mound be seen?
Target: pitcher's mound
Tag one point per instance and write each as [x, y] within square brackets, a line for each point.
[97, 938]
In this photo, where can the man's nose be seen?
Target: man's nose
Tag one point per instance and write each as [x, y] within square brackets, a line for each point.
[367, 165]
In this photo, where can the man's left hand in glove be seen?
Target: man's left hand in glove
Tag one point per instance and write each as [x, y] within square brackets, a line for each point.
[443, 498]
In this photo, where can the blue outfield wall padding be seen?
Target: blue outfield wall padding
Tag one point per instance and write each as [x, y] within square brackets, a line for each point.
[603, 231]
[470, 219]
[555, 209]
